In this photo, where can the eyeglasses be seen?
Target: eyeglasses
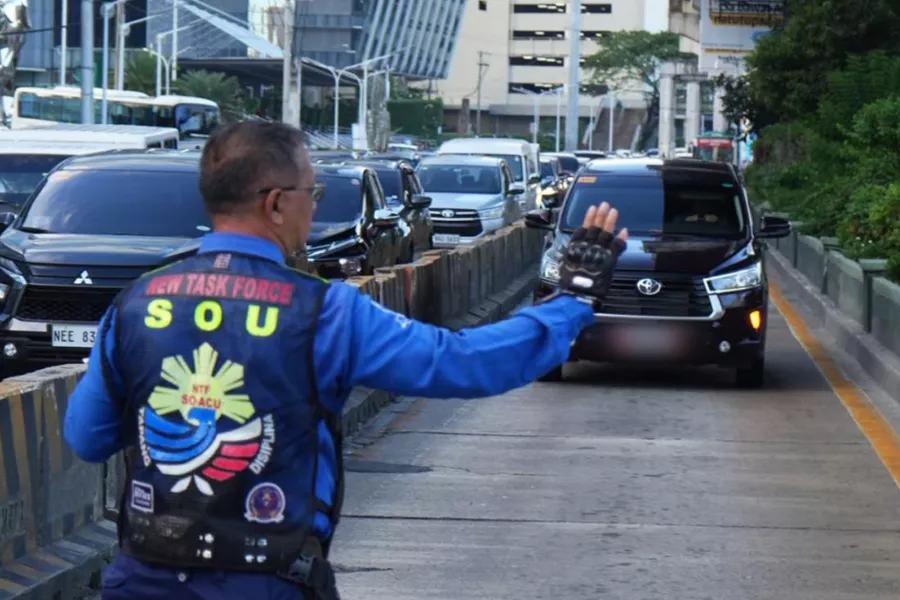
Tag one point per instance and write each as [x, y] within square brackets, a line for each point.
[316, 191]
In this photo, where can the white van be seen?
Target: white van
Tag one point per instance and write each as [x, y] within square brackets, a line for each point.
[118, 136]
[519, 154]
[24, 165]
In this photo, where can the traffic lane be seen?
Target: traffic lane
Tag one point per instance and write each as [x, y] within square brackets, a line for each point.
[660, 484]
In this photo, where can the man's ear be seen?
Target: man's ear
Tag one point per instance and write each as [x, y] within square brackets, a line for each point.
[271, 206]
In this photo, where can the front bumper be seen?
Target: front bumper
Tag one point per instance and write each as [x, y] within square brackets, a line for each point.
[30, 345]
[449, 233]
[726, 337]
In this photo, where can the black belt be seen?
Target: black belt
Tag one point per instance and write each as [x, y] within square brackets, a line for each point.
[182, 542]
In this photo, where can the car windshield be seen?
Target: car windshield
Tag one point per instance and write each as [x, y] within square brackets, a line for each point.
[459, 179]
[20, 175]
[547, 169]
[342, 200]
[651, 206]
[392, 185]
[515, 165]
[111, 202]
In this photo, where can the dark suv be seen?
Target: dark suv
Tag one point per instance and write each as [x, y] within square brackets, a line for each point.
[691, 286]
[404, 195]
[94, 224]
[353, 231]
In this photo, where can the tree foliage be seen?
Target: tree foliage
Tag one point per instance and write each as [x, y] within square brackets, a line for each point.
[629, 57]
[224, 90]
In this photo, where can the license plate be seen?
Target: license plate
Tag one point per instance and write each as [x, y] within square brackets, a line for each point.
[445, 238]
[73, 336]
[652, 341]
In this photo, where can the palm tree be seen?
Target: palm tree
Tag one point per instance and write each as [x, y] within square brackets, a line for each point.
[222, 89]
[140, 72]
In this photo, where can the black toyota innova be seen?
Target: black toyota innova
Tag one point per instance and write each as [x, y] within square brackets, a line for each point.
[691, 286]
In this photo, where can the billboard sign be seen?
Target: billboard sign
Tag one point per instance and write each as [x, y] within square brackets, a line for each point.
[730, 29]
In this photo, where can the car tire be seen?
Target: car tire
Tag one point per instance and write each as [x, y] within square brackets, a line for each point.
[752, 376]
[554, 376]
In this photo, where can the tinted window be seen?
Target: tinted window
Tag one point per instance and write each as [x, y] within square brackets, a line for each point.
[569, 163]
[459, 179]
[20, 174]
[547, 169]
[119, 203]
[342, 200]
[392, 185]
[648, 206]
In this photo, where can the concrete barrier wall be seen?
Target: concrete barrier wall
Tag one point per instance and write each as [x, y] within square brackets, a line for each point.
[53, 535]
[886, 313]
[846, 286]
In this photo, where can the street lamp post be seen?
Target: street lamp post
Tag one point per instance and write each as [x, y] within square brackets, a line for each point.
[337, 74]
[559, 95]
[536, 97]
[160, 59]
[120, 46]
[104, 103]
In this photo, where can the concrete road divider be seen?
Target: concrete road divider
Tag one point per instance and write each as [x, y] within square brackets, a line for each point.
[56, 531]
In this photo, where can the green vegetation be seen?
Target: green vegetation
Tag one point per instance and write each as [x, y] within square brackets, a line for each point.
[629, 57]
[823, 92]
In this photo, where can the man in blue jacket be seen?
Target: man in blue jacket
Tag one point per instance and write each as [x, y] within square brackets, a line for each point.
[224, 377]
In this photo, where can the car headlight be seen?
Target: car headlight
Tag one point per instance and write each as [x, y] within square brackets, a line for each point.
[550, 267]
[745, 279]
[491, 213]
[351, 266]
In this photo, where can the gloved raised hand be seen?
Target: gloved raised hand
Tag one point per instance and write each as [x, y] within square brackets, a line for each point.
[591, 255]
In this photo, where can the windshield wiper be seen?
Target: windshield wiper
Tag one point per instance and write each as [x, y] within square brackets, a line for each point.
[34, 230]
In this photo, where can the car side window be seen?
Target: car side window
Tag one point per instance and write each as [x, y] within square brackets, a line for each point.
[415, 186]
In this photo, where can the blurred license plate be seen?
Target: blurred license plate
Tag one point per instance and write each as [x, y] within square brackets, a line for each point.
[653, 341]
[445, 238]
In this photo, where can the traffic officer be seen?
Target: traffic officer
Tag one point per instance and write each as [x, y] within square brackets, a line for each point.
[224, 377]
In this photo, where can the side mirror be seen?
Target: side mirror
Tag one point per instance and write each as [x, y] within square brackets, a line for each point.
[385, 219]
[6, 219]
[774, 227]
[534, 178]
[539, 219]
[420, 201]
[515, 189]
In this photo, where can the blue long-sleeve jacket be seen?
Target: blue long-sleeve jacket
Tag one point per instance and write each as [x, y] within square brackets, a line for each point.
[360, 343]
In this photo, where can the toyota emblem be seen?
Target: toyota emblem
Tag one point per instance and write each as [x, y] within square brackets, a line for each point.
[649, 287]
[447, 213]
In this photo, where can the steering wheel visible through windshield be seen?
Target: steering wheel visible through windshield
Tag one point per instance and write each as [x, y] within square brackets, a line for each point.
[461, 179]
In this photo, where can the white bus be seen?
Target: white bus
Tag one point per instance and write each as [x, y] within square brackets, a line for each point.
[116, 136]
[191, 116]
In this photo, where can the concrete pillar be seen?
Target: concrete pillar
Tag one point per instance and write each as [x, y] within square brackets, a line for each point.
[667, 111]
[720, 122]
[693, 122]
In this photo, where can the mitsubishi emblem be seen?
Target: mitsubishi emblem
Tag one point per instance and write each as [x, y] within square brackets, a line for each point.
[84, 279]
[447, 213]
[649, 287]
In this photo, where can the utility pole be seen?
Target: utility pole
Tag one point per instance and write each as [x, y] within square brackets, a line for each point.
[120, 41]
[87, 62]
[574, 79]
[481, 66]
[287, 105]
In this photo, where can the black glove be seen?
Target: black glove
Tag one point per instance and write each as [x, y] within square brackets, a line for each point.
[588, 262]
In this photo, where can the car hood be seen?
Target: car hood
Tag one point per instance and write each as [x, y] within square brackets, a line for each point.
[440, 200]
[665, 254]
[90, 250]
[324, 233]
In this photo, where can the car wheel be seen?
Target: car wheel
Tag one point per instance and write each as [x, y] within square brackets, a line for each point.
[753, 376]
[553, 376]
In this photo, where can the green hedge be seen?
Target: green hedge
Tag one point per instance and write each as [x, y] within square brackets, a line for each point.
[417, 116]
[838, 170]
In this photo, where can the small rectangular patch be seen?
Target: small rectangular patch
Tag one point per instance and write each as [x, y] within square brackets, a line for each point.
[585, 179]
[222, 261]
[142, 496]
